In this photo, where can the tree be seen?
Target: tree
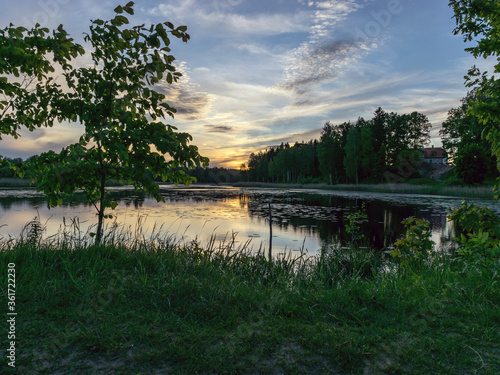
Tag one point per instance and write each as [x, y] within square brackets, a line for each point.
[471, 164]
[379, 131]
[368, 154]
[461, 129]
[479, 21]
[405, 133]
[328, 151]
[352, 151]
[115, 101]
[29, 94]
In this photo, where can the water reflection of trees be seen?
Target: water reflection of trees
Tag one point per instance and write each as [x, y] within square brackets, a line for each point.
[326, 215]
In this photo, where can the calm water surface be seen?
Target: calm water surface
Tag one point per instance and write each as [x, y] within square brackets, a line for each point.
[306, 219]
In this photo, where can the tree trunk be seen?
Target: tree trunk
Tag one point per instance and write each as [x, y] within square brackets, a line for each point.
[270, 233]
[100, 213]
[356, 174]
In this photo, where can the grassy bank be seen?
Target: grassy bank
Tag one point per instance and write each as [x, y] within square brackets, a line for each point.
[164, 309]
[15, 182]
[426, 189]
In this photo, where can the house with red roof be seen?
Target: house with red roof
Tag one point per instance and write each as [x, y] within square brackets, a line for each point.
[434, 155]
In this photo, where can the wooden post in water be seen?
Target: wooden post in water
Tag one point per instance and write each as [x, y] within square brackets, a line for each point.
[270, 232]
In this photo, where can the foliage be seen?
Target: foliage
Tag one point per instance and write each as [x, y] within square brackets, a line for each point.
[115, 101]
[479, 230]
[405, 132]
[361, 151]
[478, 246]
[471, 164]
[29, 95]
[8, 167]
[414, 249]
[353, 228]
[352, 154]
[331, 150]
[462, 128]
[479, 21]
[470, 218]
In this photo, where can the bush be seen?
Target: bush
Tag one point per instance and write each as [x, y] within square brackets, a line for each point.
[413, 249]
[479, 230]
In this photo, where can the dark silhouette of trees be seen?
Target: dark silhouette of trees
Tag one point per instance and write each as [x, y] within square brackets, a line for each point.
[347, 152]
[461, 130]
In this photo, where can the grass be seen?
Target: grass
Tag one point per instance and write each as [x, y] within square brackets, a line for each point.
[156, 307]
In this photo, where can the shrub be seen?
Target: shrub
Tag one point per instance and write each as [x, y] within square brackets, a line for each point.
[479, 230]
[414, 248]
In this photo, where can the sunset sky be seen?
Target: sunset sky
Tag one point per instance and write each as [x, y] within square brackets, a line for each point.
[261, 72]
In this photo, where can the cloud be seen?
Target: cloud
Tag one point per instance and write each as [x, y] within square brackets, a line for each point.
[222, 18]
[218, 128]
[323, 57]
[186, 97]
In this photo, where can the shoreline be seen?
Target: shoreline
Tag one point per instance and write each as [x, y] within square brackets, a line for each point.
[484, 191]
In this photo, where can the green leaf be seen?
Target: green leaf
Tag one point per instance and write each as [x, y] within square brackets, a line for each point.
[122, 19]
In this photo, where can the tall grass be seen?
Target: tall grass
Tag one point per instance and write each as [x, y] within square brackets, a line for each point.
[151, 304]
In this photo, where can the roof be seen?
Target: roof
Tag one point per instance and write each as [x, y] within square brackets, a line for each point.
[433, 153]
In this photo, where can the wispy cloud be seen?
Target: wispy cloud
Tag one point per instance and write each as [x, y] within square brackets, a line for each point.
[324, 55]
[224, 19]
[186, 97]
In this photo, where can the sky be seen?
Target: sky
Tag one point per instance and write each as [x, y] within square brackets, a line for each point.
[257, 73]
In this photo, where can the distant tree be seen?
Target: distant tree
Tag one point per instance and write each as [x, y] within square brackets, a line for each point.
[368, 155]
[329, 149]
[479, 22]
[114, 99]
[378, 125]
[352, 151]
[405, 133]
[461, 129]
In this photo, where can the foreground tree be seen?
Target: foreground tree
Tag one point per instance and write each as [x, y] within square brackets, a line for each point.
[28, 93]
[479, 21]
[115, 101]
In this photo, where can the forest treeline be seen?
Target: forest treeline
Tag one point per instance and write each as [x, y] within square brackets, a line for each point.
[386, 148]
[383, 148]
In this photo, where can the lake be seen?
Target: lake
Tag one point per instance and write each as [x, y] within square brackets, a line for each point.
[301, 218]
